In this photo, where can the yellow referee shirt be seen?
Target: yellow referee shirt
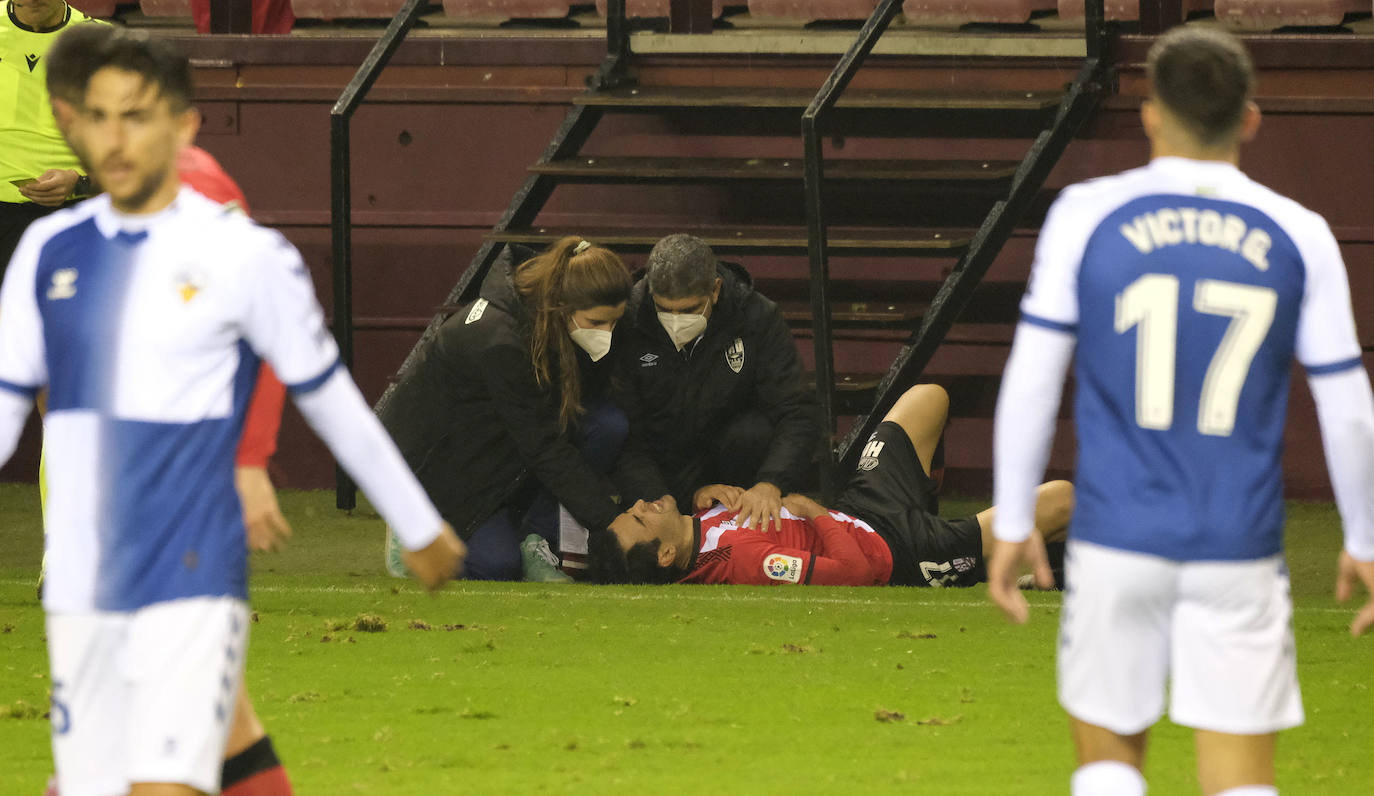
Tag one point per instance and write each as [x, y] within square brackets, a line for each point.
[29, 141]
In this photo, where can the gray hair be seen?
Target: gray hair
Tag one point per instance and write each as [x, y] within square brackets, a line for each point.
[681, 266]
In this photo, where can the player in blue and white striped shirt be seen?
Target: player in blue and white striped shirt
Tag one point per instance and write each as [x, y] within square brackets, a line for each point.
[144, 312]
[1186, 290]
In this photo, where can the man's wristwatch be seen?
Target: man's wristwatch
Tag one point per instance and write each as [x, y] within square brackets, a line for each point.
[82, 187]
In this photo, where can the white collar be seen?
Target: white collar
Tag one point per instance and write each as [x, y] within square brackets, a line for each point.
[111, 222]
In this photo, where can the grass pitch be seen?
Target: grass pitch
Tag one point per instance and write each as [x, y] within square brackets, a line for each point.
[369, 685]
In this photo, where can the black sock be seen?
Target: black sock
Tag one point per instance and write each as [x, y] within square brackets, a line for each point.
[254, 760]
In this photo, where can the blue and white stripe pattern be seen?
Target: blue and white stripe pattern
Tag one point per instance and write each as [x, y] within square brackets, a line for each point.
[1189, 290]
[147, 332]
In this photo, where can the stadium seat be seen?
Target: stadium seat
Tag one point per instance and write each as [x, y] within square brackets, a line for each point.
[346, 9]
[655, 8]
[1128, 10]
[1271, 14]
[806, 10]
[945, 13]
[95, 8]
[506, 9]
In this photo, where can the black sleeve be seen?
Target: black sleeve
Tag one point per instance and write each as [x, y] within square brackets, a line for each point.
[533, 424]
[636, 472]
[784, 398]
[426, 393]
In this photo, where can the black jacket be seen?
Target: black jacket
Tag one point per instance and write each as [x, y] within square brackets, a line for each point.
[474, 425]
[678, 401]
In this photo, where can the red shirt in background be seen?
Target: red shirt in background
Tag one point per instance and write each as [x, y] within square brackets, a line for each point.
[199, 170]
[269, 16]
[834, 550]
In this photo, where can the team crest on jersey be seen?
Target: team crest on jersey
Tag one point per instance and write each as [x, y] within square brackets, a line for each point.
[785, 568]
[872, 451]
[63, 284]
[189, 285]
[734, 355]
[475, 314]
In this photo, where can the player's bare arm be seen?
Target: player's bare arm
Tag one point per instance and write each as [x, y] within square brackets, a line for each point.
[1349, 571]
[267, 528]
[708, 495]
[803, 506]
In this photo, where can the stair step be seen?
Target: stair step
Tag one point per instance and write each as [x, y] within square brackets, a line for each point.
[879, 314]
[970, 396]
[717, 97]
[760, 240]
[670, 169]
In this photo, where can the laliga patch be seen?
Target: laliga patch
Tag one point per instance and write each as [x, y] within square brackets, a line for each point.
[734, 355]
[785, 568]
[475, 314]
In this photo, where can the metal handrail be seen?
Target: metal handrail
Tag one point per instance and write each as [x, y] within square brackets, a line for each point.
[1093, 80]
[1095, 36]
[341, 199]
[812, 118]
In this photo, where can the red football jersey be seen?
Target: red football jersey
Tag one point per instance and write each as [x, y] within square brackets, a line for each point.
[830, 550]
[200, 171]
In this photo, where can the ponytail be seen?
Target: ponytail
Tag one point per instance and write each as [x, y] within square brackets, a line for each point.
[572, 274]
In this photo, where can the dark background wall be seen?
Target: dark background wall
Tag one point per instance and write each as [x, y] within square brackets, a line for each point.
[452, 126]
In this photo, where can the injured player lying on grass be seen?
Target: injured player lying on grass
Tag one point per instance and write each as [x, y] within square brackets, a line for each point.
[884, 529]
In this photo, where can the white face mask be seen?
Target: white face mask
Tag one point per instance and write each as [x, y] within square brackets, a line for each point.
[682, 328]
[596, 342]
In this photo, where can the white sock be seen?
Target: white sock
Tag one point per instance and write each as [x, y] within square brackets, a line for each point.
[1107, 778]
[1251, 790]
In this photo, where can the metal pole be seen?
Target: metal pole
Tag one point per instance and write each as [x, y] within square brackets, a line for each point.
[340, 222]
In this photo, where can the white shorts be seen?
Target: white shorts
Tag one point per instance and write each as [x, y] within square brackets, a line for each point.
[146, 696]
[1218, 632]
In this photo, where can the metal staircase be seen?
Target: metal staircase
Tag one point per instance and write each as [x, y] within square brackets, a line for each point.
[956, 213]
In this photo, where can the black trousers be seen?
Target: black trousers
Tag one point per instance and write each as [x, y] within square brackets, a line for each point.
[14, 219]
[733, 456]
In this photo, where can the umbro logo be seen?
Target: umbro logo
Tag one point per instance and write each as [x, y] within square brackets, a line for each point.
[33, 60]
[649, 360]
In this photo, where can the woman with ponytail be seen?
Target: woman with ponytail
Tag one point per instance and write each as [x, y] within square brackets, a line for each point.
[506, 415]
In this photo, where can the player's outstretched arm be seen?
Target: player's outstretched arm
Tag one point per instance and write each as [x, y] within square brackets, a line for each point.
[283, 322]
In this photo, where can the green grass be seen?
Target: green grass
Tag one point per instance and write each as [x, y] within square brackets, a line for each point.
[514, 688]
